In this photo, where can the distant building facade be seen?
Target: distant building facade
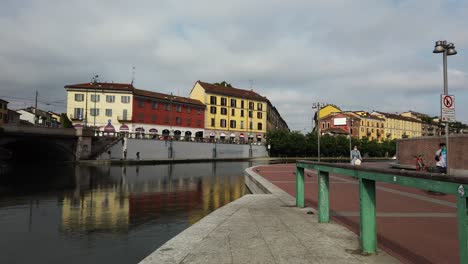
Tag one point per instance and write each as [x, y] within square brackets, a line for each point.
[274, 119]
[3, 112]
[232, 113]
[397, 126]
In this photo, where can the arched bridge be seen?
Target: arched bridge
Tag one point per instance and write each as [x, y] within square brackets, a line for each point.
[27, 143]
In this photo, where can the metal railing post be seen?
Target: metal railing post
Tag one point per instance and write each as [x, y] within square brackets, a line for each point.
[300, 187]
[367, 205]
[323, 197]
[462, 215]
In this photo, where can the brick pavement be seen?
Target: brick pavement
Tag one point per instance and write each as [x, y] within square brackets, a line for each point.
[412, 225]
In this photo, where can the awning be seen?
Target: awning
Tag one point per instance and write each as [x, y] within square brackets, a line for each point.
[123, 128]
[233, 135]
[251, 136]
[188, 133]
[259, 135]
[153, 130]
[109, 128]
[222, 135]
[165, 132]
[78, 126]
[212, 134]
[241, 135]
[140, 129]
[177, 132]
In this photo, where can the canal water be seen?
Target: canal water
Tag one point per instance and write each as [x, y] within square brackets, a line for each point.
[106, 214]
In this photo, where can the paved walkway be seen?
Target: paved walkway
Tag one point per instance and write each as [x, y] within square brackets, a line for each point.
[412, 225]
[264, 228]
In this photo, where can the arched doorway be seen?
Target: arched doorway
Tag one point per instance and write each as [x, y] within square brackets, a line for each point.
[165, 134]
[177, 134]
[199, 136]
[188, 135]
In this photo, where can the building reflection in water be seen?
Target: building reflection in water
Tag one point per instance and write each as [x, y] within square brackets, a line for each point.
[116, 199]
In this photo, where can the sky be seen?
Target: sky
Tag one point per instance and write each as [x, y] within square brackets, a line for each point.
[359, 55]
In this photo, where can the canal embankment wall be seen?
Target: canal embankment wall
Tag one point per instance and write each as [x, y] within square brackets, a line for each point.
[182, 150]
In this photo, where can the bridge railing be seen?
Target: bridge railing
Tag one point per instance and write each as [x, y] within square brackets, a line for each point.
[367, 178]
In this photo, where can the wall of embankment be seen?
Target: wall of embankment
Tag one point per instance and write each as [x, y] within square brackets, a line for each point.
[408, 148]
[163, 150]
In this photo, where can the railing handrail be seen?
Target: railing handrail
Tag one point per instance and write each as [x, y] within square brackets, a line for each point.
[367, 178]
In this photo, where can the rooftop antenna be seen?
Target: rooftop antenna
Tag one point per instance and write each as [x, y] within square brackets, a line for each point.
[251, 84]
[133, 74]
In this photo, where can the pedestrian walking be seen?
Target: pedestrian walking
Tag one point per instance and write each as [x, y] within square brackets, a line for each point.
[138, 155]
[109, 153]
[356, 156]
[125, 154]
[441, 158]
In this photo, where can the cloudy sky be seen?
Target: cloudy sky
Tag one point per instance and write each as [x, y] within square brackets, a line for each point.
[360, 55]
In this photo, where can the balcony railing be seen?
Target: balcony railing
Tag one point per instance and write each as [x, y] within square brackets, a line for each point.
[125, 118]
[76, 118]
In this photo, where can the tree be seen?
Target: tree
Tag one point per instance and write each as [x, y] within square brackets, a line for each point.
[223, 83]
[66, 123]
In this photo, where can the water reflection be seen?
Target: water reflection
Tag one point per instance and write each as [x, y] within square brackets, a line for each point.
[109, 213]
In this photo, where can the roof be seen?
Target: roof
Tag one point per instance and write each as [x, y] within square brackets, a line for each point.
[334, 130]
[231, 91]
[102, 86]
[167, 97]
[396, 116]
[3, 101]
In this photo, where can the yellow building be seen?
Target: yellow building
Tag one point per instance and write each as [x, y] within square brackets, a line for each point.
[95, 104]
[372, 127]
[231, 112]
[397, 126]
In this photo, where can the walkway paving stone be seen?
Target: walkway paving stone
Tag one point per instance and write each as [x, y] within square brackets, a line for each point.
[264, 228]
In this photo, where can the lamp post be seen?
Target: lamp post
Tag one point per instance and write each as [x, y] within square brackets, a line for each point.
[318, 106]
[447, 49]
[350, 137]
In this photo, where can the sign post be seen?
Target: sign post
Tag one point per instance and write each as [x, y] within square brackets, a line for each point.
[447, 115]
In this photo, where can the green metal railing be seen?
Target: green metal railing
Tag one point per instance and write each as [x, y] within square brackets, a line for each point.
[367, 200]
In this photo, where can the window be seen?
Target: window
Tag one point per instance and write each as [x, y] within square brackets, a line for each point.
[213, 109]
[259, 106]
[179, 108]
[153, 118]
[95, 98]
[233, 112]
[323, 124]
[78, 113]
[109, 112]
[110, 98]
[250, 114]
[362, 129]
[125, 99]
[242, 104]
[189, 110]
[213, 100]
[250, 125]
[141, 103]
[198, 111]
[178, 120]
[233, 102]
[189, 121]
[199, 123]
[251, 105]
[259, 126]
[242, 113]
[140, 116]
[259, 115]
[242, 125]
[232, 124]
[94, 111]
[223, 101]
[167, 107]
[154, 105]
[223, 111]
[212, 122]
[79, 97]
[222, 122]
[166, 119]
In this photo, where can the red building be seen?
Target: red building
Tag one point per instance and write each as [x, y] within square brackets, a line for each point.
[340, 124]
[167, 115]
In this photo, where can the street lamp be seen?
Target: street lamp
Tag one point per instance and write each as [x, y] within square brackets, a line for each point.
[318, 106]
[447, 49]
[350, 137]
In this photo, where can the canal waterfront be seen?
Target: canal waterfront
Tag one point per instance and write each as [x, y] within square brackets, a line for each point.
[107, 214]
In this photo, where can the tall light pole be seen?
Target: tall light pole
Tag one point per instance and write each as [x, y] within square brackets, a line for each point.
[318, 106]
[447, 49]
[350, 137]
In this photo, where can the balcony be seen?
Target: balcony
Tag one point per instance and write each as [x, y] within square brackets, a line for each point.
[75, 118]
[125, 118]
